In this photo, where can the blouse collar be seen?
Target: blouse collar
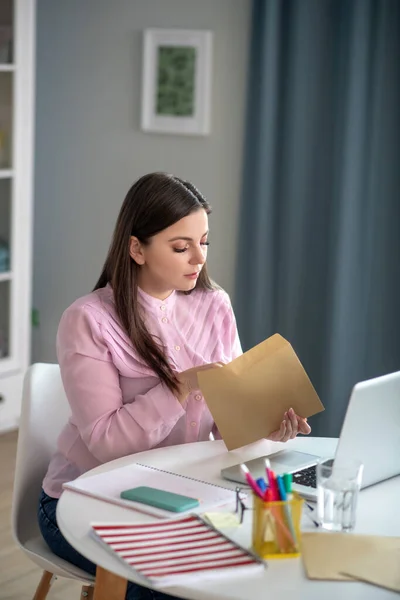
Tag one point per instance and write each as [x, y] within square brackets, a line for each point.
[152, 303]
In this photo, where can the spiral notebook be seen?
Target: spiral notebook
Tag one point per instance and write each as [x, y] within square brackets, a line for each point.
[173, 552]
[108, 487]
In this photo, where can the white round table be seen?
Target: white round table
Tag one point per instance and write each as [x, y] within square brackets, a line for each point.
[377, 514]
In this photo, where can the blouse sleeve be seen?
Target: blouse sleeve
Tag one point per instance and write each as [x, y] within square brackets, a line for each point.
[109, 428]
[234, 347]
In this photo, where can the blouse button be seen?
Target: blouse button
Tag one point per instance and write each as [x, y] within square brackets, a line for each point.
[177, 348]
[163, 307]
[197, 397]
[164, 320]
[193, 424]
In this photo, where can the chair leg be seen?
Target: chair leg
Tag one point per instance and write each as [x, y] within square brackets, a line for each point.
[87, 592]
[109, 586]
[44, 585]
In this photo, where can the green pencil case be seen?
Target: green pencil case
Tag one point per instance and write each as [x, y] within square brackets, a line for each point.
[160, 499]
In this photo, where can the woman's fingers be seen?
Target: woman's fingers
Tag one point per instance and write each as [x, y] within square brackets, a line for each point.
[282, 432]
[304, 427]
[293, 422]
[288, 432]
[278, 434]
[291, 425]
[209, 366]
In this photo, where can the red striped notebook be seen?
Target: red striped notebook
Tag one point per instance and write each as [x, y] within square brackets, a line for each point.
[169, 552]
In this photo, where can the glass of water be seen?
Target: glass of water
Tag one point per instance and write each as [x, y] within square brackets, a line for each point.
[338, 485]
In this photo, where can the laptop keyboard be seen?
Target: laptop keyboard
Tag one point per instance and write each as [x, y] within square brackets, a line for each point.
[307, 477]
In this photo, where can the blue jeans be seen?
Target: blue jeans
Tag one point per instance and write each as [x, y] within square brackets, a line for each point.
[59, 546]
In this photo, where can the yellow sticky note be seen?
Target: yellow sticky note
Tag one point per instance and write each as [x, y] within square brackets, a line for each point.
[221, 520]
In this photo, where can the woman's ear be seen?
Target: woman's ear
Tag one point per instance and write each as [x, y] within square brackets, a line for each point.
[136, 251]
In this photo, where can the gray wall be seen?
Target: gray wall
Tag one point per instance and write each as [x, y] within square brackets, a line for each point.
[89, 148]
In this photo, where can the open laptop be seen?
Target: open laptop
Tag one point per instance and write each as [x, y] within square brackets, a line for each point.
[370, 433]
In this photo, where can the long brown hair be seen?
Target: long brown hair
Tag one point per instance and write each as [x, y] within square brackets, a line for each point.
[156, 201]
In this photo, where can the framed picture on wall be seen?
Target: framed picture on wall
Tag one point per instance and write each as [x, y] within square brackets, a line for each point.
[176, 81]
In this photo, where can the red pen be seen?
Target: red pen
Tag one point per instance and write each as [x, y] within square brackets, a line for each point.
[268, 473]
[268, 495]
[251, 481]
[272, 481]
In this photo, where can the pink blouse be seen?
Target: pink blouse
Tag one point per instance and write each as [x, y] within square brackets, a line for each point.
[118, 404]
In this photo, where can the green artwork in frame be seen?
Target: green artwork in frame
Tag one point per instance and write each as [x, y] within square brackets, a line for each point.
[176, 70]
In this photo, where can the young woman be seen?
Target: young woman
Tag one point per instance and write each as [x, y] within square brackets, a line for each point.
[130, 351]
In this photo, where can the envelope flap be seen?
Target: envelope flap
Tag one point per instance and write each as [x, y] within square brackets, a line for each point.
[249, 396]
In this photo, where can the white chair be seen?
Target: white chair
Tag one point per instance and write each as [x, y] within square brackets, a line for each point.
[44, 412]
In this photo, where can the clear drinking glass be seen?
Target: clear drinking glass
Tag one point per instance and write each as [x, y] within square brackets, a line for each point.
[338, 485]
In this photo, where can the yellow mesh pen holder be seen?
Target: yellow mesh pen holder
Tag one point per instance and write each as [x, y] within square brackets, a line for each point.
[276, 527]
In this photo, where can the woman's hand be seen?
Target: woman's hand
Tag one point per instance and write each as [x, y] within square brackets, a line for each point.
[188, 381]
[291, 425]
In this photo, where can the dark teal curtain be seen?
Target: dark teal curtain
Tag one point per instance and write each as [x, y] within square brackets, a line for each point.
[319, 240]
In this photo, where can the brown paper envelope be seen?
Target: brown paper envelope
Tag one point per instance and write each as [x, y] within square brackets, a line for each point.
[377, 566]
[249, 396]
[327, 555]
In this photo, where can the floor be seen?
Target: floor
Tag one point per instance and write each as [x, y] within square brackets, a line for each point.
[18, 575]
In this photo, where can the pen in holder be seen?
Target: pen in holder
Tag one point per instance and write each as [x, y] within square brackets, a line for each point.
[276, 527]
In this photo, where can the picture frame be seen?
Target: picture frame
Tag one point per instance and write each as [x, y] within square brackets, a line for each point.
[176, 81]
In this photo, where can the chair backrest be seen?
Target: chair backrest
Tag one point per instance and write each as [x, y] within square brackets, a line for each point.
[45, 410]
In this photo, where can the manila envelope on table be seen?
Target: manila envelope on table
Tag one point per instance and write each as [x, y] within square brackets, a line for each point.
[331, 556]
[377, 566]
[249, 396]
